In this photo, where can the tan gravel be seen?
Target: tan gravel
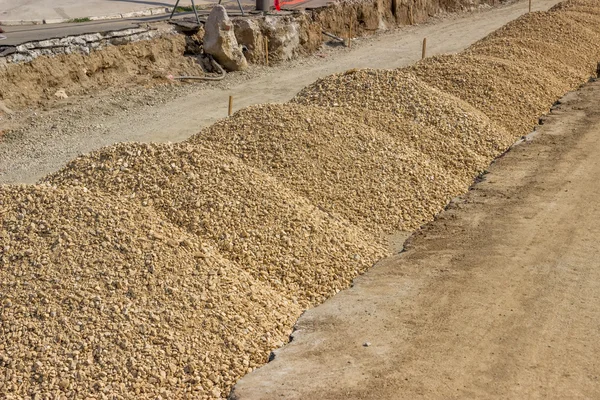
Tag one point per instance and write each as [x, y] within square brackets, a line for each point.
[510, 89]
[273, 233]
[399, 167]
[168, 271]
[104, 298]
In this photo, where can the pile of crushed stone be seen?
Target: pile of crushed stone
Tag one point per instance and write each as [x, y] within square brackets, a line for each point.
[170, 271]
[101, 297]
[272, 232]
[397, 172]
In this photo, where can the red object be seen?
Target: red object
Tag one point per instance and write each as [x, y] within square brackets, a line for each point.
[277, 5]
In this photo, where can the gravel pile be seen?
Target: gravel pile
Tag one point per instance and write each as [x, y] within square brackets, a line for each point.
[379, 170]
[100, 297]
[538, 57]
[513, 91]
[506, 91]
[401, 94]
[169, 271]
[274, 234]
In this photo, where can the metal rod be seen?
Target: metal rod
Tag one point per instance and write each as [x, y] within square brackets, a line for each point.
[241, 8]
[174, 8]
[193, 6]
[424, 51]
[196, 12]
[333, 36]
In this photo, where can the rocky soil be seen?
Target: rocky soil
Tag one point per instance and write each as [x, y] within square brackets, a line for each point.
[145, 62]
[146, 271]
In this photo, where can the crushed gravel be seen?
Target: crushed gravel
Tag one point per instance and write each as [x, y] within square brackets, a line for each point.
[399, 167]
[171, 270]
[272, 232]
[100, 297]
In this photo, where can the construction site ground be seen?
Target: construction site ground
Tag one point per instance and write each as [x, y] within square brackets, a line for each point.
[496, 299]
[77, 125]
[160, 270]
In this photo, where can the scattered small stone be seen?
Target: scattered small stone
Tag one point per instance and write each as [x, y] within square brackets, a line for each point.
[61, 94]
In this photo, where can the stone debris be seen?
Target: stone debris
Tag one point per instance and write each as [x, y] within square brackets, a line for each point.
[61, 94]
[171, 270]
[81, 44]
[220, 41]
[288, 37]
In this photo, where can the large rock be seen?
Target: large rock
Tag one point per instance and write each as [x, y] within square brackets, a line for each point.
[288, 36]
[248, 32]
[220, 41]
[284, 37]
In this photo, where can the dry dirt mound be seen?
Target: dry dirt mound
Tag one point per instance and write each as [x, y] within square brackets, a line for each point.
[135, 63]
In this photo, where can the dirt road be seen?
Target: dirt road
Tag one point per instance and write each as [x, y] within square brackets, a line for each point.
[48, 139]
[498, 298]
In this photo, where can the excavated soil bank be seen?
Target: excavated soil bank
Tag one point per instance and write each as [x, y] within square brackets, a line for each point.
[137, 63]
[146, 271]
[151, 61]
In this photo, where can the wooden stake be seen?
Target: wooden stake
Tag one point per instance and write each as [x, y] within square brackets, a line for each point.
[424, 51]
[267, 51]
[350, 32]
[230, 105]
[529, 5]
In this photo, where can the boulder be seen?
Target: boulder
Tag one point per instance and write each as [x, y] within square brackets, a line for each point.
[220, 41]
[284, 37]
[248, 33]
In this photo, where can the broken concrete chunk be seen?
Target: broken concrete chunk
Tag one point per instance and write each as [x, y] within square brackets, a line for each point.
[284, 37]
[220, 41]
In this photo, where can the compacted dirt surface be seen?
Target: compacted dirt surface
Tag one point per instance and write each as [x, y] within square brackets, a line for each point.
[497, 298]
[37, 141]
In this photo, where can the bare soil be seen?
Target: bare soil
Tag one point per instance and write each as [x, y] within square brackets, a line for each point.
[41, 139]
[497, 298]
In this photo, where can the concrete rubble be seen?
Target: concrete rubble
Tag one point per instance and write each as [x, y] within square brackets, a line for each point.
[80, 44]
